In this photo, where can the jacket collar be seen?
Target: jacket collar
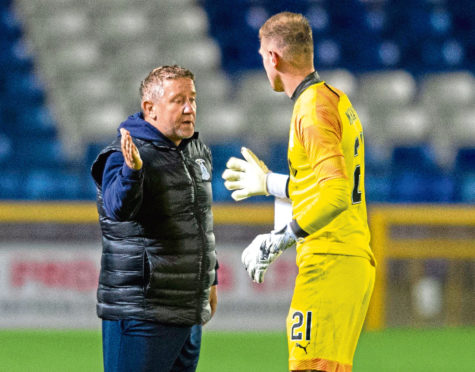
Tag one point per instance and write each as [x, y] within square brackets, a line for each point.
[309, 80]
[164, 141]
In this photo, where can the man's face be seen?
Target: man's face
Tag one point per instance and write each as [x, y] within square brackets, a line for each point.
[269, 65]
[176, 109]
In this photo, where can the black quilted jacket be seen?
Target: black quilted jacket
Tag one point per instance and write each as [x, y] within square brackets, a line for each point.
[160, 265]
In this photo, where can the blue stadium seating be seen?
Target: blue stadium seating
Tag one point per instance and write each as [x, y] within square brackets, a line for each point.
[377, 176]
[11, 181]
[6, 149]
[278, 157]
[358, 35]
[416, 177]
[441, 28]
[58, 184]
[221, 153]
[464, 175]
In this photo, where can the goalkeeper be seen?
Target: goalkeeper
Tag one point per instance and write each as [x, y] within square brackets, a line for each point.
[326, 188]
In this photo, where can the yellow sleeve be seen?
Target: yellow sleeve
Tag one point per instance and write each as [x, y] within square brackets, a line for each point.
[320, 134]
[334, 198]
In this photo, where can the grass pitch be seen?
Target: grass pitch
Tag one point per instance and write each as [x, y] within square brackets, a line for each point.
[392, 350]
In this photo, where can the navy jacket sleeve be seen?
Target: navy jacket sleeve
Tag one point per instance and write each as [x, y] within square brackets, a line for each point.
[121, 188]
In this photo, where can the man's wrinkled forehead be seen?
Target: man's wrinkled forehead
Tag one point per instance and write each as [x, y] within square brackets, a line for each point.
[183, 85]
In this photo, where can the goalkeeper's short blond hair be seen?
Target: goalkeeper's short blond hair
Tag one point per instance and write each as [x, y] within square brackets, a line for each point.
[151, 87]
[291, 33]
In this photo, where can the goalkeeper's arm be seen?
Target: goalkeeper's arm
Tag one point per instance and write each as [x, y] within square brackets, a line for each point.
[266, 248]
[251, 177]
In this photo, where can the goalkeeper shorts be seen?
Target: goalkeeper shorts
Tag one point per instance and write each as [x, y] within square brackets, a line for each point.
[329, 305]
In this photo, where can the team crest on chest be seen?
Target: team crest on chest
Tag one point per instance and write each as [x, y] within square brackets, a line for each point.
[351, 115]
[205, 176]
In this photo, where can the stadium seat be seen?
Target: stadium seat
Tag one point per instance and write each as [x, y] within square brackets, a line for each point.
[416, 177]
[408, 126]
[341, 79]
[45, 7]
[386, 89]
[94, 88]
[462, 128]
[255, 16]
[221, 152]
[445, 54]
[11, 181]
[451, 89]
[193, 25]
[53, 184]
[220, 124]
[45, 152]
[464, 172]
[328, 53]
[449, 99]
[318, 18]
[119, 26]
[376, 18]
[24, 89]
[170, 6]
[277, 161]
[15, 57]
[440, 21]
[200, 56]
[212, 89]
[43, 29]
[131, 66]
[100, 122]
[80, 56]
[254, 90]
[378, 172]
[10, 24]
[6, 149]
[269, 123]
[36, 122]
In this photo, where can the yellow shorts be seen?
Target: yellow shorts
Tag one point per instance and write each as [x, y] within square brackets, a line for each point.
[327, 312]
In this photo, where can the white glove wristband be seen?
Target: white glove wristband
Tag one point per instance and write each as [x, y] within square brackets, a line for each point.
[276, 185]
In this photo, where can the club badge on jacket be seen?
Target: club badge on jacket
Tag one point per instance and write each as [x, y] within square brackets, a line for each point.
[205, 176]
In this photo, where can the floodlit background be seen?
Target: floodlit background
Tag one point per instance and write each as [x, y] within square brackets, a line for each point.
[69, 74]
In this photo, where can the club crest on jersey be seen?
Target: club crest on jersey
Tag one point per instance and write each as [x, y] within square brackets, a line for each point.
[205, 176]
[351, 115]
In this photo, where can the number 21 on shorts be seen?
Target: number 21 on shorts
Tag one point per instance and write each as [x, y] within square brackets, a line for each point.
[302, 326]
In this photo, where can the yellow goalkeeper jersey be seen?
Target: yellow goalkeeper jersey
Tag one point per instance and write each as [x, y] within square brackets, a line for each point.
[325, 143]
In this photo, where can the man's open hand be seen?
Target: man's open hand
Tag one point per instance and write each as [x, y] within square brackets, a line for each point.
[130, 151]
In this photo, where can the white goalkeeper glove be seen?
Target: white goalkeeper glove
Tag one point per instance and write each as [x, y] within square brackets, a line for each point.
[248, 177]
[264, 250]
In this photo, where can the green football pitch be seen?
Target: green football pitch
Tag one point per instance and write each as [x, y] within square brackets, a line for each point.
[392, 350]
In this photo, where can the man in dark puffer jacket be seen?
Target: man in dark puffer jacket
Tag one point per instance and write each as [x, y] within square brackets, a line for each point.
[157, 284]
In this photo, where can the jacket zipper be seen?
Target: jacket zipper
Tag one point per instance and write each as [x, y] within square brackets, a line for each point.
[198, 218]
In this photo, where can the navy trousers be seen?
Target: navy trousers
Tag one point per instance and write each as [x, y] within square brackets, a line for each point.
[140, 346]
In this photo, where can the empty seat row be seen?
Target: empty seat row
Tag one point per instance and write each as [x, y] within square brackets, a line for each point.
[361, 35]
[408, 174]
